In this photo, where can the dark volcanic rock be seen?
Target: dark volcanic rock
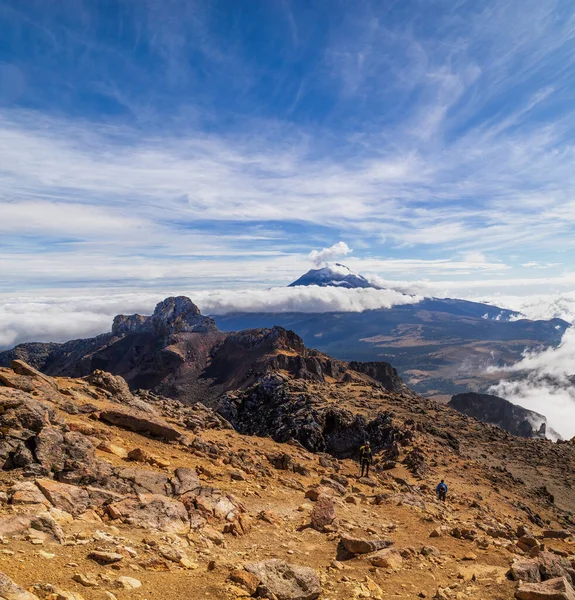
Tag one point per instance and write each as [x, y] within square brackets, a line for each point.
[498, 411]
[382, 372]
[271, 408]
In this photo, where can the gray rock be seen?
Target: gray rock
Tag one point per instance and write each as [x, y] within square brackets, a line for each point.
[185, 480]
[364, 546]
[144, 481]
[152, 511]
[114, 384]
[140, 422]
[286, 581]
[552, 589]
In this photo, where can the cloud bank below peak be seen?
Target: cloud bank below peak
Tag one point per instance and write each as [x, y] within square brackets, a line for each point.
[56, 318]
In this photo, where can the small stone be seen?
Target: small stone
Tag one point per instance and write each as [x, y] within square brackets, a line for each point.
[105, 558]
[390, 558]
[364, 546]
[247, 580]
[85, 580]
[129, 583]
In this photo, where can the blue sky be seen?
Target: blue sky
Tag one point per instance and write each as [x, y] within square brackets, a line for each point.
[147, 144]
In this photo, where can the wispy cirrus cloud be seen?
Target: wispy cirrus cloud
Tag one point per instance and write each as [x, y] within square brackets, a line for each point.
[411, 134]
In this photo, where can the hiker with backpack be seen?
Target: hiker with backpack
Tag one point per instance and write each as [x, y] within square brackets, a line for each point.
[365, 458]
[441, 490]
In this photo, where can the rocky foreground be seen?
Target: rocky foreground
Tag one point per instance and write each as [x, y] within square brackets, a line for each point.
[110, 494]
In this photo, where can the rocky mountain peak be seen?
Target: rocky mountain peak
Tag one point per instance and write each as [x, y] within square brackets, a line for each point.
[176, 314]
[333, 275]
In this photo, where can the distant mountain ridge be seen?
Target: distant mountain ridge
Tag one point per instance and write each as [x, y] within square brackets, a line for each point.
[440, 346]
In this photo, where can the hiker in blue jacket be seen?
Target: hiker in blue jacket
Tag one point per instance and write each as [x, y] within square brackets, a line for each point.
[441, 490]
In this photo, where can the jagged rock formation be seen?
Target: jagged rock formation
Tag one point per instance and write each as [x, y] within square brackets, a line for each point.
[382, 372]
[179, 353]
[171, 316]
[286, 412]
[498, 411]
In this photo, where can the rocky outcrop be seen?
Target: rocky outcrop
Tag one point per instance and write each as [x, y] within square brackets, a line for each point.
[498, 411]
[179, 353]
[269, 408]
[171, 316]
[382, 372]
[541, 568]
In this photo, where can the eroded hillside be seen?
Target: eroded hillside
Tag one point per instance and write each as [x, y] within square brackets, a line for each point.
[110, 494]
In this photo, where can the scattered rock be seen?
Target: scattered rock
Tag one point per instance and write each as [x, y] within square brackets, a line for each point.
[364, 546]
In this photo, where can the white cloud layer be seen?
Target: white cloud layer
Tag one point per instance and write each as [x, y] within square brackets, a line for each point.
[27, 318]
[542, 384]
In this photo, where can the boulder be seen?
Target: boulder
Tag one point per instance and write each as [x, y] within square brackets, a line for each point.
[152, 511]
[185, 480]
[284, 580]
[26, 492]
[248, 580]
[316, 491]
[552, 589]
[114, 384]
[212, 502]
[140, 422]
[10, 591]
[323, 513]
[128, 583]
[389, 558]
[14, 525]
[546, 565]
[49, 446]
[71, 498]
[144, 481]
[364, 546]
[22, 368]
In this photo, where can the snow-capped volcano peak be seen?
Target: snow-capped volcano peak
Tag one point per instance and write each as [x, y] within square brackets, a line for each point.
[334, 275]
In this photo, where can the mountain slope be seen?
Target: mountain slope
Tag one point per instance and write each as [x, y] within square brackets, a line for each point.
[104, 491]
